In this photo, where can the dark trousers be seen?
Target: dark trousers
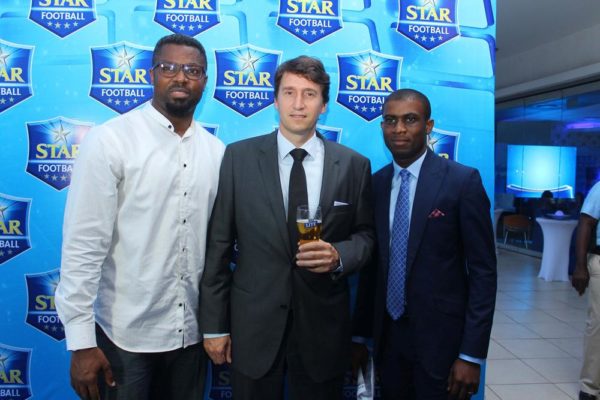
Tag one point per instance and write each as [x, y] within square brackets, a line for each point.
[287, 363]
[178, 374]
[403, 377]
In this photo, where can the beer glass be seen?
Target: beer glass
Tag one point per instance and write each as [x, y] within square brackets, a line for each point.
[309, 223]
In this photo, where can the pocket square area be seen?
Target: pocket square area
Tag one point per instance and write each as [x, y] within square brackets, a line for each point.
[436, 214]
[339, 203]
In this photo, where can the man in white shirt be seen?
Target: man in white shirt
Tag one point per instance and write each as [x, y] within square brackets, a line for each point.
[134, 237]
[587, 274]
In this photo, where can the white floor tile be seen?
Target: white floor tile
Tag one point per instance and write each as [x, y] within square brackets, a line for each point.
[490, 395]
[499, 352]
[511, 372]
[512, 331]
[529, 316]
[553, 330]
[572, 346]
[557, 370]
[571, 388]
[547, 391]
[532, 348]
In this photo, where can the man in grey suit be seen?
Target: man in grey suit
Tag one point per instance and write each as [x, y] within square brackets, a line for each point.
[284, 310]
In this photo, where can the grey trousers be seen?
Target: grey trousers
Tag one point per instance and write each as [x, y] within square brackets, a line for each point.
[590, 372]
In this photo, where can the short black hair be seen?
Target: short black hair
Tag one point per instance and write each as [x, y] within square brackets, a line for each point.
[180, 40]
[410, 94]
[308, 67]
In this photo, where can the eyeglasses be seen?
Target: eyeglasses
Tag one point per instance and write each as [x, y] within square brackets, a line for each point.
[170, 70]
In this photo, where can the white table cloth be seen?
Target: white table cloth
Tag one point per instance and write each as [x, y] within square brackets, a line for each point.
[555, 257]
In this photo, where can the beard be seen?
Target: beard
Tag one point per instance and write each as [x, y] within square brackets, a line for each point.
[181, 107]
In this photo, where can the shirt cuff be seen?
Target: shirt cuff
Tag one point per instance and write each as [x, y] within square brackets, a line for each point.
[80, 336]
[360, 340]
[214, 335]
[465, 357]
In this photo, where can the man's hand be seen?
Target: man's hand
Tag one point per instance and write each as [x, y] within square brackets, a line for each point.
[580, 279]
[317, 256]
[463, 381]
[86, 364]
[359, 358]
[218, 349]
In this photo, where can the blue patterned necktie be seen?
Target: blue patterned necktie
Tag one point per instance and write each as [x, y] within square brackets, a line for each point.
[398, 250]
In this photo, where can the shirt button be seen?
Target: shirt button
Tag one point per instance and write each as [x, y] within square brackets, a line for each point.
[184, 165]
[185, 193]
[184, 221]
[179, 330]
[180, 304]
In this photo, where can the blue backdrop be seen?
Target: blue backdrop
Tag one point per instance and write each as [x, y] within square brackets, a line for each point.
[66, 65]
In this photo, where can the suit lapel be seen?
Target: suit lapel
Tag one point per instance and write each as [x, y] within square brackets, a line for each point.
[382, 216]
[269, 170]
[428, 186]
[331, 169]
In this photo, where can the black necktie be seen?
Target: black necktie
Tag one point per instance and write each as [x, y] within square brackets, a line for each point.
[297, 194]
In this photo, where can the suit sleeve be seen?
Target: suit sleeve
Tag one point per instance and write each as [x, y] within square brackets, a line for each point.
[217, 276]
[356, 251]
[480, 254]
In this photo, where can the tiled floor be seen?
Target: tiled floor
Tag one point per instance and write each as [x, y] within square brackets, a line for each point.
[537, 336]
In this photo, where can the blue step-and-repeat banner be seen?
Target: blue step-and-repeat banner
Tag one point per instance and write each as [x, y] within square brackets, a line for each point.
[66, 65]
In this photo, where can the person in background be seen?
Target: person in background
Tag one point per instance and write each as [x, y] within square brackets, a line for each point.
[587, 275]
[134, 237]
[428, 301]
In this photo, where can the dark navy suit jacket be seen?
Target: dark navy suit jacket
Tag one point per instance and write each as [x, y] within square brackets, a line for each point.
[451, 262]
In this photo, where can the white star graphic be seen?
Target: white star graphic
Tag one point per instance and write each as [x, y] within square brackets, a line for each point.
[370, 66]
[124, 59]
[60, 133]
[3, 57]
[248, 61]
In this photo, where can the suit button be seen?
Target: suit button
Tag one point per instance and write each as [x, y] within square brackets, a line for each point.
[283, 306]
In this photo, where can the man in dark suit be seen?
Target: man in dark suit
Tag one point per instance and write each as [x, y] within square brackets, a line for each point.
[284, 309]
[429, 299]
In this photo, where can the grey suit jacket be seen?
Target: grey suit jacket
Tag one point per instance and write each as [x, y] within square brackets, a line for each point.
[253, 301]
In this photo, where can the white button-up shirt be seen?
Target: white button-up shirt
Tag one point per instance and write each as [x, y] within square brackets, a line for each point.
[134, 233]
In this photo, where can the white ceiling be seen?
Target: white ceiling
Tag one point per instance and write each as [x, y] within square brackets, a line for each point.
[525, 24]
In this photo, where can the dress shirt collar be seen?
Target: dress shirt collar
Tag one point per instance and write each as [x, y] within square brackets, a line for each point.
[164, 121]
[284, 146]
[414, 168]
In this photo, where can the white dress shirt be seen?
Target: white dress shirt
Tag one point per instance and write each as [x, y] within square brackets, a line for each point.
[134, 233]
[312, 163]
